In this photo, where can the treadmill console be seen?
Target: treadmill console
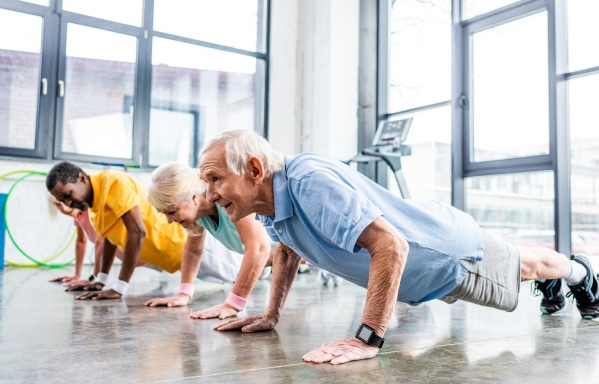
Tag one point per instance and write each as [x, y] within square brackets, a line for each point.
[392, 132]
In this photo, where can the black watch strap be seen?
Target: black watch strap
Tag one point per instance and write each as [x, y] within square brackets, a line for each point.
[368, 336]
[377, 341]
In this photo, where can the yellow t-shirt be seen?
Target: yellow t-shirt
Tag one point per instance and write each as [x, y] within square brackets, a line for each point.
[116, 193]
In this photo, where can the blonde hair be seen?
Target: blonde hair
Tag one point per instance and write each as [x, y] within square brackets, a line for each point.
[173, 183]
[240, 144]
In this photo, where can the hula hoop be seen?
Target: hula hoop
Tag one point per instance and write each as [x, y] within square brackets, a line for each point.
[3, 207]
[36, 262]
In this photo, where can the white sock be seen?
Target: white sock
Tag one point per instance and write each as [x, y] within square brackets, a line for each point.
[577, 273]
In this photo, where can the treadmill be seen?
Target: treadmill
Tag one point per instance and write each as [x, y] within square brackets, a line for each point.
[388, 146]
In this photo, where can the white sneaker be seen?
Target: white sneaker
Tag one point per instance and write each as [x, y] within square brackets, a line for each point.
[266, 272]
[303, 268]
[328, 277]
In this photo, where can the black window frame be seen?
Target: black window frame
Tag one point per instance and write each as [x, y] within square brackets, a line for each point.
[53, 58]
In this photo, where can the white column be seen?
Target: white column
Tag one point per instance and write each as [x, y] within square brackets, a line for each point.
[314, 79]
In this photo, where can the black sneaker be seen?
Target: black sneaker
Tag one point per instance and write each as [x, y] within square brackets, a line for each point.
[553, 299]
[587, 291]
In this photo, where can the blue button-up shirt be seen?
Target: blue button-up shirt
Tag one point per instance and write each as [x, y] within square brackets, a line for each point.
[322, 206]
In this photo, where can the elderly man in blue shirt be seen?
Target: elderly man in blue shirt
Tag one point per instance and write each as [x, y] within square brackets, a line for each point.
[409, 250]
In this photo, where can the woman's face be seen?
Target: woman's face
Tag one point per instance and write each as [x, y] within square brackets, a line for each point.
[188, 211]
[66, 210]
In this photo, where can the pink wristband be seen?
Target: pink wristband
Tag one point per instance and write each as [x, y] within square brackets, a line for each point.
[236, 302]
[187, 289]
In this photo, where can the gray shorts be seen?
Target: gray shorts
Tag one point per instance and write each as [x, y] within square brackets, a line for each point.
[495, 280]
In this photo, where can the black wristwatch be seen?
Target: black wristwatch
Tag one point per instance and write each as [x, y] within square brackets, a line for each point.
[367, 335]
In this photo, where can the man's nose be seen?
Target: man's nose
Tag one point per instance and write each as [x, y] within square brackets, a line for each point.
[211, 194]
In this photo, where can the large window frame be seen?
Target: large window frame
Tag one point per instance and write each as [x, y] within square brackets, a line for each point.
[50, 111]
[44, 133]
[463, 166]
[383, 111]
[558, 158]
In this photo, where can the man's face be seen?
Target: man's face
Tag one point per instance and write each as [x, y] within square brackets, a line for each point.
[235, 193]
[76, 195]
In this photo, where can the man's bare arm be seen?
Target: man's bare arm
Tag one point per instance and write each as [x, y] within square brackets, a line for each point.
[389, 252]
[136, 233]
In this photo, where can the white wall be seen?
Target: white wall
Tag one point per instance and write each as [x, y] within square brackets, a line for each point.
[313, 94]
[284, 102]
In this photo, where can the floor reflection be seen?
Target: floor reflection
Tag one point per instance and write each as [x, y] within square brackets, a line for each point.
[47, 336]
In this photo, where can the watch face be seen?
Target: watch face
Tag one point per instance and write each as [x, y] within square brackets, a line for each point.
[364, 334]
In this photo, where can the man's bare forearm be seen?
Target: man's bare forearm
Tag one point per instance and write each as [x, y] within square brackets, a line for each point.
[131, 255]
[388, 253]
[285, 265]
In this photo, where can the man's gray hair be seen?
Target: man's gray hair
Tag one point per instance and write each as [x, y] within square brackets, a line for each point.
[240, 145]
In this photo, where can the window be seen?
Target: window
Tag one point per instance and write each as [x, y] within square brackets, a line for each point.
[509, 101]
[127, 12]
[419, 53]
[427, 170]
[584, 153]
[523, 87]
[40, 2]
[20, 69]
[100, 73]
[234, 23]
[419, 86]
[473, 8]
[218, 88]
[583, 32]
[100, 81]
[518, 207]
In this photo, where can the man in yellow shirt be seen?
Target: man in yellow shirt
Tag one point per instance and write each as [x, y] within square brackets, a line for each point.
[121, 214]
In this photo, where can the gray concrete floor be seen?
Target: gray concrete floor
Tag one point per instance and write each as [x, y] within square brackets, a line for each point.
[48, 337]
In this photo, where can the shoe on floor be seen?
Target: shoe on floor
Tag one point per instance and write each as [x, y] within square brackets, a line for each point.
[328, 277]
[553, 298]
[266, 272]
[586, 292]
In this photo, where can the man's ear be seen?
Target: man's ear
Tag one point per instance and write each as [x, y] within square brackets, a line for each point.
[81, 177]
[255, 169]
